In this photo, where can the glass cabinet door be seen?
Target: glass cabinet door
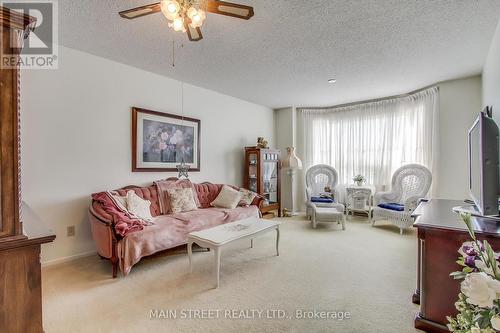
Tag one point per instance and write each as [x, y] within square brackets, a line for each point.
[270, 178]
[252, 172]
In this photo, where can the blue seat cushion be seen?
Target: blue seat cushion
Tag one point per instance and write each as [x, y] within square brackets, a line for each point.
[393, 206]
[321, 200]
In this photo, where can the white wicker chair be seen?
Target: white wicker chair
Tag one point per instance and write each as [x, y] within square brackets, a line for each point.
[317, 178]
[410, 184]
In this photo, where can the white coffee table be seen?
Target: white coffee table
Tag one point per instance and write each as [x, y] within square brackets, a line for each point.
[215, 238]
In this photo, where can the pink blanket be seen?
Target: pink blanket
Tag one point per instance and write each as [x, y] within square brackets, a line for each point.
[122, 222]
[172, 230]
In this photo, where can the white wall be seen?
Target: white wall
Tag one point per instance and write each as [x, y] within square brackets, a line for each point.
[284, 135]
[76, 137]
[460, 103]
[491, 77]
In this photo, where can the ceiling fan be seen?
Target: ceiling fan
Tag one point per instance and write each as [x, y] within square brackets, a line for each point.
[188, 15]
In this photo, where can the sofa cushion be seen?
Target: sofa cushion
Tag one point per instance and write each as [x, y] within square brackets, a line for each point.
[181, 200]
[210, 217]
[207, 192]
[321, 200]
[239, 213]
[393, 206]
[228, 198]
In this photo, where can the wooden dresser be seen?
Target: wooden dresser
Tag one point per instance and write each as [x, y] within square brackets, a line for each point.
[440, 234]
[20, 272]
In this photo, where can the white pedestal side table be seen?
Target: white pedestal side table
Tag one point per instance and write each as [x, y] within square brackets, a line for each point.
[359, 199]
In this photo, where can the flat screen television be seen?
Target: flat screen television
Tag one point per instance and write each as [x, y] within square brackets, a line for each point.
[483, 154]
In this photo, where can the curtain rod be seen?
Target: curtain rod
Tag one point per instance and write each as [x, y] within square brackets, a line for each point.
[370, 100]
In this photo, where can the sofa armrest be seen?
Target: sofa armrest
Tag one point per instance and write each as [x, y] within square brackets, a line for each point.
[102, 233]
[257, 201]
[99, 213]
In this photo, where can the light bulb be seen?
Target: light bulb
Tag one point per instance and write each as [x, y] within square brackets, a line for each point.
[178, 24]
[197, 19]
[202, 14]
[192, 12]
[170, 8]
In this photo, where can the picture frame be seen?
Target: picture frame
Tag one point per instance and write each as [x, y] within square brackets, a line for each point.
[161, 140]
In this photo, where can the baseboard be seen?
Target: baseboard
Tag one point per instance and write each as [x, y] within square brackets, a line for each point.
[63, 260]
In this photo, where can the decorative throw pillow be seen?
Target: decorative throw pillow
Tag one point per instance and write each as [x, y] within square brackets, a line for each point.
[138, 206]
[228, 198]
[120, 202]
[247, 197]
[181, 200]
[164, 185]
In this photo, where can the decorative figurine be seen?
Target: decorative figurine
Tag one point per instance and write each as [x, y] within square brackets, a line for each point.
[183, 169]
[262, 143]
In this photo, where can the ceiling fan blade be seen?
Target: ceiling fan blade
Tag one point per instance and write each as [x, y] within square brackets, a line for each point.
[194, 34]
[230, 9]
[141, 11]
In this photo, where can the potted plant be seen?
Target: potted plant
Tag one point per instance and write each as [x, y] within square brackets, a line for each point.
[359, 180]
[478, 303]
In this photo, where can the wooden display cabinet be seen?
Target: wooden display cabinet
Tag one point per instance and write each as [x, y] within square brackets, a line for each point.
[263, 176]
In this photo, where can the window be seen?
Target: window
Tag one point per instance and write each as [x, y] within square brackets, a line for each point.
[373, 139]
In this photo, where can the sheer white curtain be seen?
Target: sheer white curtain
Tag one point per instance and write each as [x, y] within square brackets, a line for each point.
[373, 139]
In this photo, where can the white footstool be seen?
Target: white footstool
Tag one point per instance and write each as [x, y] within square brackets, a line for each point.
[328, 214]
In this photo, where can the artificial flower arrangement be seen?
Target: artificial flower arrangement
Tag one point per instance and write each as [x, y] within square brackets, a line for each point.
[359, 179]
[478, 303]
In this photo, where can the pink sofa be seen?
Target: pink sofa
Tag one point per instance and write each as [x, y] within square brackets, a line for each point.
[168, 231]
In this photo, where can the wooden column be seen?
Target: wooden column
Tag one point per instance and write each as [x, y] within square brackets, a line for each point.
[20, 271]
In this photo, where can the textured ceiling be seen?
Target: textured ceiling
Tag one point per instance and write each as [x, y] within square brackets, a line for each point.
[286, 53]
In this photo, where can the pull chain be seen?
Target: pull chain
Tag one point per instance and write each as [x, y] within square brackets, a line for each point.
[173, 52]
[182, 101]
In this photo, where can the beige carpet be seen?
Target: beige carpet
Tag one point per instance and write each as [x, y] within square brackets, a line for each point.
[369, 272]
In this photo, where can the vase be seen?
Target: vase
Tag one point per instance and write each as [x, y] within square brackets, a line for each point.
[359, 183]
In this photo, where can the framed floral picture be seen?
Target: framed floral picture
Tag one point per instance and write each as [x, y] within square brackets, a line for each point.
[161, 141]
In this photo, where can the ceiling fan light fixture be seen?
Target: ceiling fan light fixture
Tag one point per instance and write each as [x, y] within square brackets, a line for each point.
[188, 15]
